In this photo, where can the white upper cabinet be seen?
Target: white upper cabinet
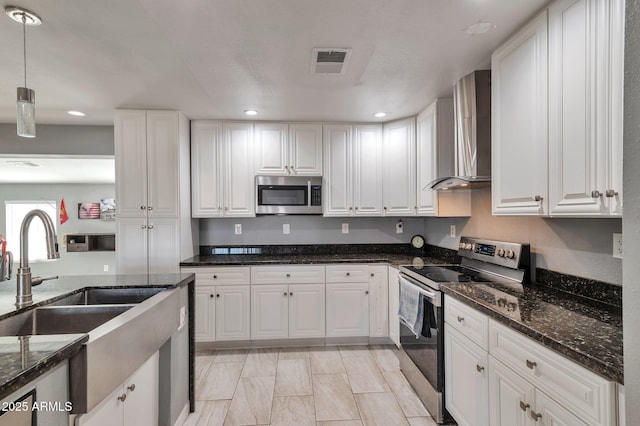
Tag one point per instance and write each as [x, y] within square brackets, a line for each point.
[399, 168]
[519, 122]
[434, 152]
[352, 170]
[222, 169]
[288, 149]
[146, 148]
[585, 78]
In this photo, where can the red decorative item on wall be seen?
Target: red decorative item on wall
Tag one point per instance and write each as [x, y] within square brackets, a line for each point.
[63, 212]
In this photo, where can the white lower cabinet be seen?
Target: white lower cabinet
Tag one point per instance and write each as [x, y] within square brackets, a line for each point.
[133, 403]
[378, 301]
[466, 380]
[232, 312]
[511, 396]
[347, 309]
[287, 311]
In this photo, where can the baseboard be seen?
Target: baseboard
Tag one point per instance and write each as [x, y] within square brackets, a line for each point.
[202, 347]
[183, 415]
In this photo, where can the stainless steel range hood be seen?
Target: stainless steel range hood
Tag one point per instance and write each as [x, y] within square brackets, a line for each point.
[472, 114]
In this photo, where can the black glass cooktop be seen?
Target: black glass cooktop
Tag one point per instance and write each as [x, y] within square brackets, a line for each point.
[450, 274]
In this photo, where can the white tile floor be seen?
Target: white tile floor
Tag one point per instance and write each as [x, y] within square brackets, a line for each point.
[346, 385]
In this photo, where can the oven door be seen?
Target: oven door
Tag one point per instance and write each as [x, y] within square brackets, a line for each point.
[427, 350]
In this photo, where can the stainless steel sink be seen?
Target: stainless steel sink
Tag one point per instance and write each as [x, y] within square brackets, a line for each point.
[110, 296]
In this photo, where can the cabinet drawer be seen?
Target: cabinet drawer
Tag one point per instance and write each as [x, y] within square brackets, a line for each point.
[468, 321]
[223, 275]
[347, 273]
[584, 393]
[283, 274]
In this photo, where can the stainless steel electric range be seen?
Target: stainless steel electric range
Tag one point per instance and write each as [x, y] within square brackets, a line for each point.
[422, 355]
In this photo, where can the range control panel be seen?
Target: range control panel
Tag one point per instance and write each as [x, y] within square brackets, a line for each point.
[512, 255]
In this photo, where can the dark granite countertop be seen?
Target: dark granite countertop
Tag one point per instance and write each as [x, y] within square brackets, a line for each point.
[23, 359]
[585, 331]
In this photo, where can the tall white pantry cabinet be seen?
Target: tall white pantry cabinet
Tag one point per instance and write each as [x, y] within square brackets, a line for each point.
[154, 229]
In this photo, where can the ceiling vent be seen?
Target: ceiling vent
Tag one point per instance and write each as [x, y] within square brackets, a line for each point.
[329, 60]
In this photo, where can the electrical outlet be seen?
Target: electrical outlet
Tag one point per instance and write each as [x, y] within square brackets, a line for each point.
[238, 229]
[617, 246]
[452, 231]
[399, 227]
[106, 268]
[345, 228]
[63, 243]
[286, 229]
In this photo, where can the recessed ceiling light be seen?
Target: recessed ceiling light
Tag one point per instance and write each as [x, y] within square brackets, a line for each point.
[76, 113]
[250, 111]
[380, 114]
[479, 28]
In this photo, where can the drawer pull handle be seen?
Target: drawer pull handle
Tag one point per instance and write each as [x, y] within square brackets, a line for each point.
[531, 364]
[122, 397]
[460, 319]
[524, 406]
[537, 198]
[535, 416]
[288, 275]
[479, 368]
[596, 194]
[215, 277]
[348, 274]
[131, 387]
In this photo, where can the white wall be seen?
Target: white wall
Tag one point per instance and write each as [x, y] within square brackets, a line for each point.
[581, 247]
[631, 221]
[89, 263]
[308, 230]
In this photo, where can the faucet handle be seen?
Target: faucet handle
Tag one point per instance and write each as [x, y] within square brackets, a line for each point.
[38, 280]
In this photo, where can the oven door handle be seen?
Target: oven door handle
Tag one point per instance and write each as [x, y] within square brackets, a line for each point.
[433, 296]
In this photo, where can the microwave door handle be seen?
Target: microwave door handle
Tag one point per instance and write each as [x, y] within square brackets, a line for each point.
[309, 193]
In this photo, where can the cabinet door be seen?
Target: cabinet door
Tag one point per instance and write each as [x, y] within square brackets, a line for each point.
[519, 122]
[162, 163]
[367, 170]
[205, 313]
[427, 167]
[141, 405]
[269, 312]
[616, 107]
[305, 149]
[399, 168]
[232, 312]
[238, 170]
[337, 198]
[206, 176]
[378, 301]
[130, 145]
[306, 310]
[466, 381]
[577, 153]
[553, 414]
[394, 305]
[347, 309]
[510, 396]
[131, 246]
[109, 412]
[164, 250]
[272, 149]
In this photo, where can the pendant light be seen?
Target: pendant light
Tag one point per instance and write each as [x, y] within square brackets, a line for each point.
[26, 102]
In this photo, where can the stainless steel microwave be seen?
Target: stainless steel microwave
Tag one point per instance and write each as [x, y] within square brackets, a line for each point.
[288, 195]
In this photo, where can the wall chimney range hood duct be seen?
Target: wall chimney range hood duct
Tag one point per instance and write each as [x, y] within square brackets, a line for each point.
[472, 115]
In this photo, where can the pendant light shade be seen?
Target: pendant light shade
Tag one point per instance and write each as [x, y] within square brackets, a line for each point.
[26, 108]
[26, 98]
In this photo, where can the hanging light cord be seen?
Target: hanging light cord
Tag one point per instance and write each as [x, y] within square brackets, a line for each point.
[24, 44]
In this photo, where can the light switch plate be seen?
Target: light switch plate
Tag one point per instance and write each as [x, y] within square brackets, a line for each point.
[452, 231]
[399, 227]
[286, 229]
[345, 228]
[106, 268]
[238, 229]
[617, 246]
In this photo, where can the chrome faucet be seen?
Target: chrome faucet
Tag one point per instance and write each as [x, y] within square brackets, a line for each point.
[24, 282]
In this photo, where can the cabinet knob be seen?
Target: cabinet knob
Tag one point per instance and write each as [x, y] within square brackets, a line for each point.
[531, 364]
[537, 198]
[285, 293]
[211, 296]
[286, 168]
[131, 387]
[217, 295]
[150, 226]
[366, 292]
[384, 208]
[143, 207]
[293, 170]
[149, 208]
[350, 208]
[122, 397]
[288, 275]
[348, 274]
[524, 406]
[356, 208]
[143, 226]
[535, 416]
[226, 208]
[372, 274]
[479, 368]
[215, 277]
[291, 294]
[596, 194]
[610, 193]
[460, 319]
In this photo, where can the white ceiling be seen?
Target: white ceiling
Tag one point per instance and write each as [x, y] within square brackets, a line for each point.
[216, 58]
[57, 170]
